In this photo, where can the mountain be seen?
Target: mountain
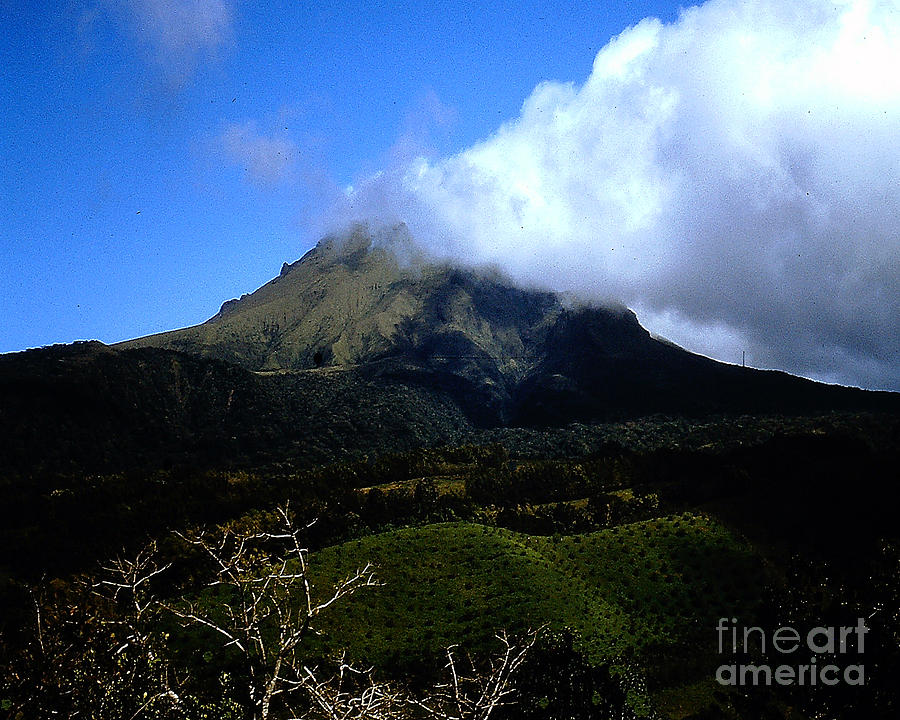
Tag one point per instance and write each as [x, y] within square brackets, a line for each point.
[377, 390]
[365, 346]
[360, 299]
[374, 305]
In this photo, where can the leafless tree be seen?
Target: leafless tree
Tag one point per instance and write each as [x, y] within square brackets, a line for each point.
[265, 608]
[353, 694]
[129, 583]
[270, 606]
[94, 650]
[33, 682]
[472, 694]
[467, 692]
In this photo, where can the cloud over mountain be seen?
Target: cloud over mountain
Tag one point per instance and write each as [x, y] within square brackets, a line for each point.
[734, 176]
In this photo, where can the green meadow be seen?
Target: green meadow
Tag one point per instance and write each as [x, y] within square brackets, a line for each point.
[636, 594]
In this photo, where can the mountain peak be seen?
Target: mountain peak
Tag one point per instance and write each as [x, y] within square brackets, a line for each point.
[354, 299]
[374, 303]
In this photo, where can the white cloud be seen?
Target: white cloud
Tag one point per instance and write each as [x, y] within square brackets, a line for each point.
[179, 32]
[426, 121]
[267, 160]
[738, 170]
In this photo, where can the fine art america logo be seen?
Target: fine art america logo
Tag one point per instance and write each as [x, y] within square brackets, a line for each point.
[807, 658]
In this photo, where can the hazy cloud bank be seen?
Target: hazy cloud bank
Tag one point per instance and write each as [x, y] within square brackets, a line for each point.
[734, 176]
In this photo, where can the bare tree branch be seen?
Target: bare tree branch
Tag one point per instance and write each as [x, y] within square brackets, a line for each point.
[476, 695]
[262, 617]
[265, 609]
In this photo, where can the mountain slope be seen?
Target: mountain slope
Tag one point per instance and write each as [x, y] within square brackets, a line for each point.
[599, 364]
[92, 408]
[358, 299]
[375, 306]
[361, 347]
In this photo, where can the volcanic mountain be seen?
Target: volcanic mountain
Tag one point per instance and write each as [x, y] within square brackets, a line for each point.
[364, 345]
[374, 305]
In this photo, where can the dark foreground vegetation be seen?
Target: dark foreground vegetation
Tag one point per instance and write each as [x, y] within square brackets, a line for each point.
[524, 508]
[625, 543]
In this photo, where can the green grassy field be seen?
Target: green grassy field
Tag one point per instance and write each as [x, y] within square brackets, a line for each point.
[649, 592]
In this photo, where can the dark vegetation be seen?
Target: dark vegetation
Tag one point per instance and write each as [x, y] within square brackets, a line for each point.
[630, 539]
[90, 408]
[505, 461]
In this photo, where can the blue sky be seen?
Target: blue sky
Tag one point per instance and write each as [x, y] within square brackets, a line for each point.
[122, 211]
[729, 170]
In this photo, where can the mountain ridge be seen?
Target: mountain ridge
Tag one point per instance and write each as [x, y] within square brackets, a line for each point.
[365, 345]
[375, 304]
[352, 300]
